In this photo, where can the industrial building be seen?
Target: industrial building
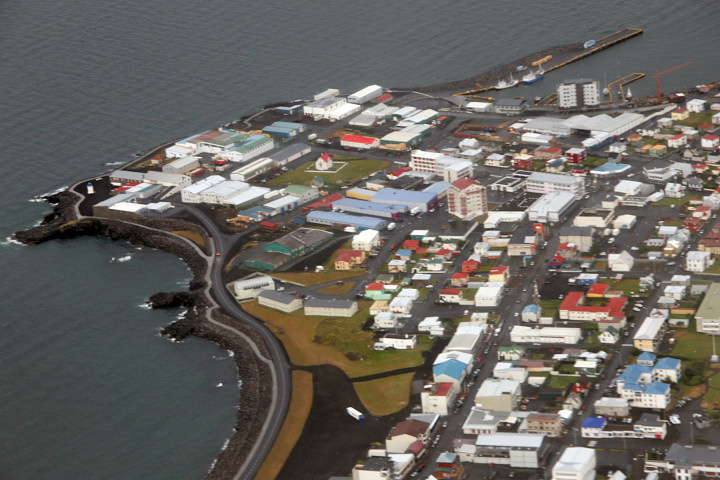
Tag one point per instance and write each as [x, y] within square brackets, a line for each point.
[168, 179]
[252, 169]
[411, 199]
[523, 334]
[182, 165]
[510, 106]
[330, 108]
[330, 308]
[284, 130]
[365, 95]
[288, 154]
[279, 301]
[295, 244]
[346, 220]
[248, 148]
[246, 197]
[578, 93]
[375, 209]
[193, 193]
[707, 317]
[551, 207]
[541, 182]
[251, 287]
[217, 193]
[359, 142]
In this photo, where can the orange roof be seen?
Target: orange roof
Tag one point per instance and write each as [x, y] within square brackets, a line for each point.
[598, 289]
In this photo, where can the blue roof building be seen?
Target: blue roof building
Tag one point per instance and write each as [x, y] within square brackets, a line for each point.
[337, 218]
[409, 198]
[384, 210]
[657, 388]
[635, 374]
[646, 358]
[449, 371]
[594, 422]
[438, 188]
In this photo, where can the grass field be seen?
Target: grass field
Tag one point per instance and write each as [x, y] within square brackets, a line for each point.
[557, 381]
[629, 286]
[354, 170]
[337, 289]
[692, 345]
[384, 396]
[593, 161]
[697, 119]
[335, 341]
[302, 396]
[308, 279]
[676, 201]
[196, 238]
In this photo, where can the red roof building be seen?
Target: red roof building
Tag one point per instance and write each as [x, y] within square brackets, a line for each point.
[573, 308]
[470, 266]
[411, 244]
[598, 290]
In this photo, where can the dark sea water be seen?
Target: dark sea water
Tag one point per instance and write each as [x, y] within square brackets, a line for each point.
[89, 389]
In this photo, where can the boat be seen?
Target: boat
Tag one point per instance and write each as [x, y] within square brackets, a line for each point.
[606, 91]
[531, 77]
[628, 94]
[503, 84]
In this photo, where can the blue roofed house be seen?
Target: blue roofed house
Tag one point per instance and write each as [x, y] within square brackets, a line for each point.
[404, 254]
[531, 314]
[452, 367]
[592, 427]
[636, 385]
[646, 358]
[667, 369]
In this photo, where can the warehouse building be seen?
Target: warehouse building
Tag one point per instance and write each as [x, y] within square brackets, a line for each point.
[304, 193]
[330, 308]
[290, 153]
[280, 205]
[284, 130]
[251, 287]
[246, 197]
[346, 220]
[216, 194]
[182, 165]
[118, 177]
[523, 334]
[360, 142]
[279, 301]
[707, 317]
[408, 139]
[330, 108]
[411, 199]
[252, 169]
[551, 207]
[250, 147]
[383, 210]
[365, 95]
[193, 193]
[295, 244]
[168, 179]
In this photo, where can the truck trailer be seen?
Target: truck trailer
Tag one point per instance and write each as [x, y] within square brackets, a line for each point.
[356, 414]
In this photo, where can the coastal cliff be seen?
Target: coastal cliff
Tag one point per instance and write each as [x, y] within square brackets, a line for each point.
[255, 376]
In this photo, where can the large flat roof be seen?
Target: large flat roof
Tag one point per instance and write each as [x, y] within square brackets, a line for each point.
[512, 440]
[710, 306]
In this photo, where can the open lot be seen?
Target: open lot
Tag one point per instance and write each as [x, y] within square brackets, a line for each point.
[386, 395]
[353, 171]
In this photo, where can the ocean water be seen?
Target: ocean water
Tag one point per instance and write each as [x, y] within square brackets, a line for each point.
[89, 389]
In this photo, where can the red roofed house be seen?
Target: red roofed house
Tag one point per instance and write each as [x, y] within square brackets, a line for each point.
[448, 466]
[358, 141]
[459, 279]
[499, 274]
[598, 290]
[611, 314]
[348, 259]
[568, 250]
[709, 142]
[411, 244]
[450, 295]
[702, 212]
[438, 398]
[699, 167]
[444, 254]
[324, 204]
[405, 433]
[693, 224]
[466, 198]
[547, 153]
[324, 162]
[396, 173]
[679, 114]
[556, 262]
[677, 141]
[706, 127]
[469, 266]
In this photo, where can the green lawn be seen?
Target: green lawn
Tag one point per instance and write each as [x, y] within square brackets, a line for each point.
[697, 119]
[627, 285]
[676, 201]
[557, 381]
[594, 162]
[714, 268]
[353, 171]
[692, 345]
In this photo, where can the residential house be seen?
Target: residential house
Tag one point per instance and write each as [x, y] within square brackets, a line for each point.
[450, 295]
[514, 352]
[395, 266]
[459, 279]
[405, 433]
[439, 398]
[448, 466]
[385, 321]
[698, 261]
[709, 142]
[611, 314]
[650, 333]
[620, 262]
[347, 259]
[609, 336]
[696, 105]
[677, 141]
[687, 462]
[489, 295]
[549, 424]
[401, 306]
[679, 114]
[469, 266]
[330, 307]
[499, 274]
[612, 407]
[398, 341]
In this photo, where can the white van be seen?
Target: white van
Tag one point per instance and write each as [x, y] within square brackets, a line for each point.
[391, 226]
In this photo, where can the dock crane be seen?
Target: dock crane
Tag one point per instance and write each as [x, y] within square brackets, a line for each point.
[657, 76]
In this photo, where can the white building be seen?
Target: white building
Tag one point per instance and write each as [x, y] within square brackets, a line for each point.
[551, 207]
[330, 108]
[517, 450]
[497, 394]
[578, 93]
[251, 287]
[401, 306]
[524, 334]
[696, 105]
[542, 182]
[220, 192]
[508, 371]
[193, 193]
[620, 262]
[324, 162]
[399, 341]
[489, 295]
[366, 240]
[438, 398]
[365, 95]
[467, 198]
[697, 261]
[575, 463]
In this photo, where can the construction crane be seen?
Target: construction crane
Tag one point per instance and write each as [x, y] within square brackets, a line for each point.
[657, 77]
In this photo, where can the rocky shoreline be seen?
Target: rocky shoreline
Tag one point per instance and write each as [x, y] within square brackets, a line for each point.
[254, 375]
